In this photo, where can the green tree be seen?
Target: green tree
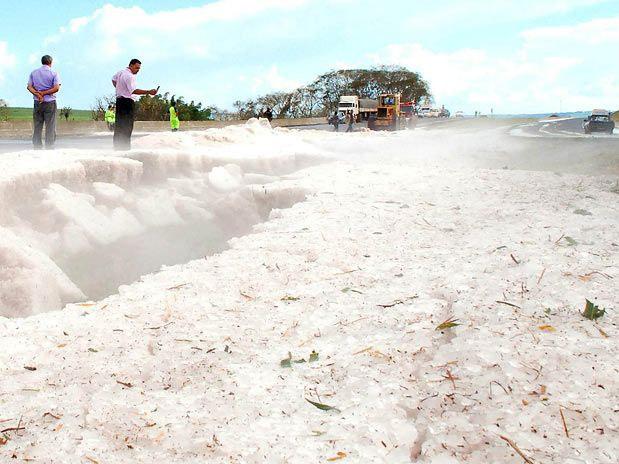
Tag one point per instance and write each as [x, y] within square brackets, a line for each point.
[99, 107]
[66, 112]
[4, 111]
[322, 96]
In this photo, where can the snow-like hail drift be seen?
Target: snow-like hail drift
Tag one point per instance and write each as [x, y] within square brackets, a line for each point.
[344, 255]
[74, 225]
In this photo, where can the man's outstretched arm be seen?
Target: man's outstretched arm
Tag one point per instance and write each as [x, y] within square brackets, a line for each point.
[146, 92]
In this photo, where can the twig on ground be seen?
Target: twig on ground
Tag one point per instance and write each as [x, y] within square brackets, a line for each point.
[397, 302]
[567, 433]
[541, 276]
[559, 239]
[602, 333]
[363, 350]
[451, 378]
[14, 429]
[490, 387]
[175, 287]
[592, 273]
[124, 384]
[516, 449]
[348, 272]
[509, 304]
[514, 258]
[344, 324]
[538, 371]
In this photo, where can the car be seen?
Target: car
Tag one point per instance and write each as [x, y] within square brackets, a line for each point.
[599, 121]
[424, 111]
[459, 114]
[434, 113]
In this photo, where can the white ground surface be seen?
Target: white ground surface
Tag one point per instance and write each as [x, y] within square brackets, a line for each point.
[397, 234]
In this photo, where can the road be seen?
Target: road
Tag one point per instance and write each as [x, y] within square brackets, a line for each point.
[104, 141]
[562, 127]
[547, 145]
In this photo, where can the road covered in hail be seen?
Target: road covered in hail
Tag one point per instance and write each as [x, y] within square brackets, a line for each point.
[367, 297]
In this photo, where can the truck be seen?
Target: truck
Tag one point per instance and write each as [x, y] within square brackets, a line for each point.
[408, 114]
[362, 108]
[390, 115]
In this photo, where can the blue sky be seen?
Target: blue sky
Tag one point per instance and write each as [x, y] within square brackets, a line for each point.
[525, 56]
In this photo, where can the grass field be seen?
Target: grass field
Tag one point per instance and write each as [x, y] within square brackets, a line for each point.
[21, 114]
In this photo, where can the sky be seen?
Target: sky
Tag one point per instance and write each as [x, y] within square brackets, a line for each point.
[526, 56]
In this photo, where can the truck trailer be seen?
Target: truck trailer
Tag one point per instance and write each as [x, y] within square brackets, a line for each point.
[361, 108]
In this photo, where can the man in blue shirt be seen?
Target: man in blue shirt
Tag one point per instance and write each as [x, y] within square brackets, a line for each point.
[44, 84]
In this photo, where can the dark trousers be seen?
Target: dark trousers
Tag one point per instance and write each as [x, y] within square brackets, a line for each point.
[44, 113]
[125, 115]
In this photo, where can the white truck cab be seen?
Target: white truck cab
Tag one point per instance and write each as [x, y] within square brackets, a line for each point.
[361, 108]
[349, 103]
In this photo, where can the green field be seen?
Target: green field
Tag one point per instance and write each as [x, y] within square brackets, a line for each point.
[21, 114]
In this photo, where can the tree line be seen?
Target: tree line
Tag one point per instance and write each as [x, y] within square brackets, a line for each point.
[321, 97]
[156, 108]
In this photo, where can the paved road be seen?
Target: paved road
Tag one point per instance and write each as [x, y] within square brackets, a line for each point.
[558, 146]
[329, 127]
[100, 142]
[571, 127]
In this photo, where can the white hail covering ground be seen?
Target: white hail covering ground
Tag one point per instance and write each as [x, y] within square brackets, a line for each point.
[398, 234]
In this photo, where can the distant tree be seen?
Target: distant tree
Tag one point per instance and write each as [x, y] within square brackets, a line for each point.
[156, 108]
[98, 109]
[222, 115]
[4, 111]
[322, 96]
[66, 112]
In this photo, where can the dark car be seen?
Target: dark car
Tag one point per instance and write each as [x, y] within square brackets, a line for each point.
[599, 121]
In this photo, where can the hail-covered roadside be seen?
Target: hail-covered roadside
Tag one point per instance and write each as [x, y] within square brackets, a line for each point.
[398, 304]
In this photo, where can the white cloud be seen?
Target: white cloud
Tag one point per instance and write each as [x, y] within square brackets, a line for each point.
[476, 12]
[273, 80]
[519, 81]
[111, 30]
[595, 32]
[7, 60]
[276, 81]
[570, 64]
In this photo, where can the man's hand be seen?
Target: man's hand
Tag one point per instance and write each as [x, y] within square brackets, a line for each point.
[39, 96]
[153, 92]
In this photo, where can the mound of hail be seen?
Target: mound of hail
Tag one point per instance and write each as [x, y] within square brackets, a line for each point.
[254, 295]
